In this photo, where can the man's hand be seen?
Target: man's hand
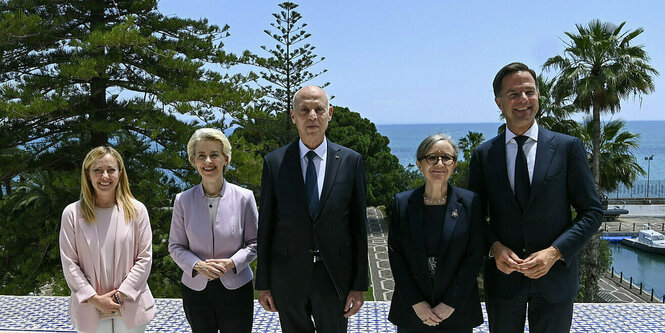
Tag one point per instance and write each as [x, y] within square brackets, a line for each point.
[266, 301]
[443, 311]
[211, 270]
[353, 303]
[426, 315]
[506, 260]
[105, 303]
[539, 263]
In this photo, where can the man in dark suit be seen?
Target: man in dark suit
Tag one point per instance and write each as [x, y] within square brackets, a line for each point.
[312, 241]
[528, 178]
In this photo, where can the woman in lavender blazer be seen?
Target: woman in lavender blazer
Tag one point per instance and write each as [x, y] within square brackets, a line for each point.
[213, 239]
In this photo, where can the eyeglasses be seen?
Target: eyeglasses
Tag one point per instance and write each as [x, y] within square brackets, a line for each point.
[434, 159]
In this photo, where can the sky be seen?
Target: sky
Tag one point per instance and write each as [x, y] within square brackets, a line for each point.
[410, 62]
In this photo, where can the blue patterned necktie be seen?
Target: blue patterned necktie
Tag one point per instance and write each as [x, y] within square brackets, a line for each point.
[522, 183]
[311, 183]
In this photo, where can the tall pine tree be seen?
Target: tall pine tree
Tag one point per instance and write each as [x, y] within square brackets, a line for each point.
[79, 74]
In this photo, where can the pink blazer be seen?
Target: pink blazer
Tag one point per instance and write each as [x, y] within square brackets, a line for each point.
[192, 238]
[79, 253]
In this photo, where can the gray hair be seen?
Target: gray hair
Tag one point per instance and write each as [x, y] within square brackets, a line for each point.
[429, 141]
[208, 134]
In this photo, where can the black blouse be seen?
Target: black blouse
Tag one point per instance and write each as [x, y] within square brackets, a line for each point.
[433, 222]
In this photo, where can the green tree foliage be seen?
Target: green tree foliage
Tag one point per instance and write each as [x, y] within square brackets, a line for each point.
[466, 146]
[615, 153]
[286, 70]
[78, 74]
[385, 176]
[599, 67]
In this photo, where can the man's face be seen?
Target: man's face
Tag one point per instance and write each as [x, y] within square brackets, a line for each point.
[311, 115]
[518, 101]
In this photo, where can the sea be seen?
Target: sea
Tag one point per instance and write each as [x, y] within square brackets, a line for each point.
[640, 265]
[405, 138]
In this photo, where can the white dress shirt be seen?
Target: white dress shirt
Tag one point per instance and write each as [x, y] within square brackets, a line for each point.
[529, 148]
[319, 161]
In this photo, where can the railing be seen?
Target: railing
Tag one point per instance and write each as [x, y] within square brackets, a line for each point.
[639, 190]
[631, 227]
[640, 288]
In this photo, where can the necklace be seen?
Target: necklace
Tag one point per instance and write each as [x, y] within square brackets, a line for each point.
[435, 202]
[218, 195]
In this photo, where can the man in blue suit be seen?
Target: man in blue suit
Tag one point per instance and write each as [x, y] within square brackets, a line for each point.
[528, 178]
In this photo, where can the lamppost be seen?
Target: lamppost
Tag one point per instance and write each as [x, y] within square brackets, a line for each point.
[648, 159]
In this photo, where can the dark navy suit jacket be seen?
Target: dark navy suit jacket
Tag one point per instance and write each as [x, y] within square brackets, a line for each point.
[561, 179]
[459, 259]
[287, 231]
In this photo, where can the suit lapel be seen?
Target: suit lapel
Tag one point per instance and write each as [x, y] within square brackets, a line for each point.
[450, 219]
[90, 232]
[497, 155]
[414, 211]
[333, 159]
[294, 170]
[545, 152]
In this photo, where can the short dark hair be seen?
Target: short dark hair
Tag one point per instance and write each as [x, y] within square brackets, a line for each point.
[510, 69]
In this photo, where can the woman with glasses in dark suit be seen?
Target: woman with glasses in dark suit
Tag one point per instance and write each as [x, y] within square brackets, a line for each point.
[435, 247]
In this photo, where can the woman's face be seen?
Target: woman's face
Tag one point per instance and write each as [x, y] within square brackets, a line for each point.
[104, 174]
[439, 162]
[210, 160]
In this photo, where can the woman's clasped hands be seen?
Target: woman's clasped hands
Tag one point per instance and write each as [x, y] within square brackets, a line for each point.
[214, 268]
[432, 316]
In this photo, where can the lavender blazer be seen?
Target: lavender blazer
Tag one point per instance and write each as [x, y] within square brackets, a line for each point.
[79, 253]
[233, 236]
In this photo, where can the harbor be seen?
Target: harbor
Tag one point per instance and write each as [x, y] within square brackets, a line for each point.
[636, 270]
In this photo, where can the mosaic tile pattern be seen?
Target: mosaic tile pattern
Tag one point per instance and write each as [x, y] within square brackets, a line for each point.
[49, 314]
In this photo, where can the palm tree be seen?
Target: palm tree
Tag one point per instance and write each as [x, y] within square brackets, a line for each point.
[615, 146]
[599, 67]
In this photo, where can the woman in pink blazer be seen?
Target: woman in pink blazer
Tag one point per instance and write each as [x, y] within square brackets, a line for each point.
[106, 250]
[213, 240]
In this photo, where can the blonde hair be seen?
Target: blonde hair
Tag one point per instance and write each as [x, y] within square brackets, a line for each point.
[208, 134]
[123, 196]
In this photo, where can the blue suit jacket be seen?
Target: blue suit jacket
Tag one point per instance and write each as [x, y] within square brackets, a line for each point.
[561, 179]
[459, 259]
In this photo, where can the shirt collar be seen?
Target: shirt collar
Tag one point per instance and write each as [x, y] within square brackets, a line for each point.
[221, 192]
[531, 133]
[320, 150]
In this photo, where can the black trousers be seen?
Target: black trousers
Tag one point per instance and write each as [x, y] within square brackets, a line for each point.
[216, 308]
[321, 304]
[508, 315]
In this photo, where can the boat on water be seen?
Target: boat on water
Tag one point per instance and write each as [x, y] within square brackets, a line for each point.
[647, 240]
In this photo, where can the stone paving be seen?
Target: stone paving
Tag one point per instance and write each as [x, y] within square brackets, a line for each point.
[379, 266]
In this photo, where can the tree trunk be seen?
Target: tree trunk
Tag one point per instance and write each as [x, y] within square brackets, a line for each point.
[590, 269]
[98, 85]
[595, 156]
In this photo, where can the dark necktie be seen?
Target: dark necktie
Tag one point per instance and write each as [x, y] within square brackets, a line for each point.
[311, 183]
[522, 184]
